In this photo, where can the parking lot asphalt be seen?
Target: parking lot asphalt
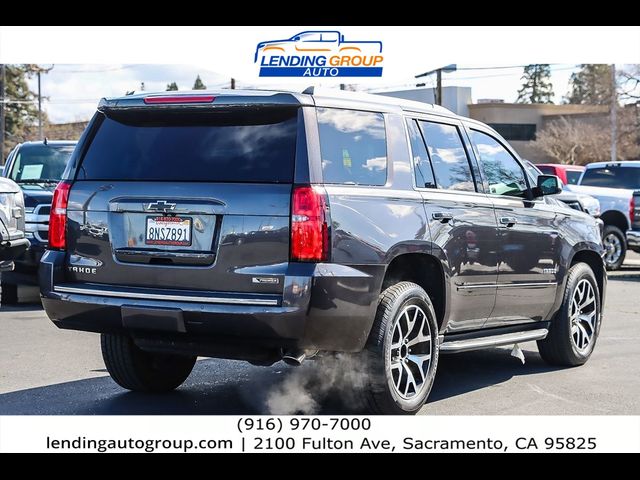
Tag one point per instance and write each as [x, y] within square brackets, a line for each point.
[44, 370]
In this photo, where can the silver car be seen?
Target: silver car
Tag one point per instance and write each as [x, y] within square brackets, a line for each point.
[12, 238]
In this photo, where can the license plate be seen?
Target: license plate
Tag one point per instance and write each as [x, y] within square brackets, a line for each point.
[173, 231]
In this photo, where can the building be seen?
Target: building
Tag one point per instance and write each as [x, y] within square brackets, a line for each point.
[519, 122]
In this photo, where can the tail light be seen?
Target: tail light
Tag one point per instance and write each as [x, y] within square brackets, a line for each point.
[309, 228]
[58, 217]
[632, 210]
[177, 99]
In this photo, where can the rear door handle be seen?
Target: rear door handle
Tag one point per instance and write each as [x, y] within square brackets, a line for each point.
[442, 217]
[508, 221]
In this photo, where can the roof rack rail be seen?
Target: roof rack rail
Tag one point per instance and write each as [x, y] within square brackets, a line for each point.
[405, 104]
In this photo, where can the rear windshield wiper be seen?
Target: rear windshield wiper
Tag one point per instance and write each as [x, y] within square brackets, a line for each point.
[38, 180]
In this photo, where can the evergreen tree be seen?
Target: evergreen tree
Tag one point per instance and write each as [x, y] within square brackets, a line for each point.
[172, 86]
[591, 85]
[198, 85]
[21, 109]
[536, 85]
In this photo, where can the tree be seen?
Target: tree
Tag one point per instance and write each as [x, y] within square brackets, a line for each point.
[536, 85]
[198, 85]
[629, 79]
[172, 86]
[21, 110]
[591, 85]
[578, 142]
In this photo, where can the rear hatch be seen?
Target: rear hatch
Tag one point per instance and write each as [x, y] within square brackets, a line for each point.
[184, 199]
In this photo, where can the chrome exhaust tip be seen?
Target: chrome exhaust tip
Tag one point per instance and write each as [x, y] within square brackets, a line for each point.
[294, 358]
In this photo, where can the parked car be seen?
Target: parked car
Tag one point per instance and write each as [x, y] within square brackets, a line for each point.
[37, 167]
[577, 201]
[617, 187]
[569, 174]
[12, 237]
[388, 244]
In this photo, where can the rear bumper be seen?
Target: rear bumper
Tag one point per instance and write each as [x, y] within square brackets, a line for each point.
[633, 239]
[323, 306]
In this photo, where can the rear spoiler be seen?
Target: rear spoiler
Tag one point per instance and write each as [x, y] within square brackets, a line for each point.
[205, 100]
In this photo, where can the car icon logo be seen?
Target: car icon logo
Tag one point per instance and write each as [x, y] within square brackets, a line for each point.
[161, 206]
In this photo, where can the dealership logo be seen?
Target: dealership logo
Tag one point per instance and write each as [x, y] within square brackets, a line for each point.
[319, 54]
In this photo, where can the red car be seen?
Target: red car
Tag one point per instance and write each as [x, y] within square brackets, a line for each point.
[569, 174]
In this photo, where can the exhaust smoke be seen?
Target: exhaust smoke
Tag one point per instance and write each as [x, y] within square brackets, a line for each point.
[306, 389]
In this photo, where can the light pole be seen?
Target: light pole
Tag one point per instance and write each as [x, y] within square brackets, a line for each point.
[39, 72]
[614, 121]
[438, 71]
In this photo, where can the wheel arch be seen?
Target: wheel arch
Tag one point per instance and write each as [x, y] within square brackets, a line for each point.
[616, 218]
[589, 253]
[594, 260]
[423, 268]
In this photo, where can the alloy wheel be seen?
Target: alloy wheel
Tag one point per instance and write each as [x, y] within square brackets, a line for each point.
[410, 353]
[613, 247]
[583, 315]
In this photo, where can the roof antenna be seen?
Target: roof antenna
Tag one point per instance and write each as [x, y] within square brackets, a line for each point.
[46, 141]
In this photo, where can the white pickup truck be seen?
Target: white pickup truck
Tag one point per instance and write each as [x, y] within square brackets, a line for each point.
[12, 237]
[617, 186]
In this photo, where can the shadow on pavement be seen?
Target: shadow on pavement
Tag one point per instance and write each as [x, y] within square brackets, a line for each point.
[219, 387]
[465, 372]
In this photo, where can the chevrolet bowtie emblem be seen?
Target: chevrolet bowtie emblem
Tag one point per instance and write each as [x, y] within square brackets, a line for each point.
[161, 206]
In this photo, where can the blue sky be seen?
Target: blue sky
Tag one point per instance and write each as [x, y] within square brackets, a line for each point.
[73, 91]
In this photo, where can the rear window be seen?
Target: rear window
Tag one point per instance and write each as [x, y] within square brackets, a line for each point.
[255, 146]
[573, 176]
[353, 146]
[546, 169]
[614, 177]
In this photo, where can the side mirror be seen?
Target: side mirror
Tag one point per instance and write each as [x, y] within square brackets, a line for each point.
[548, 185]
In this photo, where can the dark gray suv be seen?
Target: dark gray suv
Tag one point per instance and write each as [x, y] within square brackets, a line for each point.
[270, 225]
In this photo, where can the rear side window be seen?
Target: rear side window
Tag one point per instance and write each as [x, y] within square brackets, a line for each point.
[612, 176]
[353, 147]
[448, 156]
[256, 146]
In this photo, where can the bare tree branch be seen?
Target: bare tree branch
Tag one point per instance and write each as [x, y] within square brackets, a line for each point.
[578, 142]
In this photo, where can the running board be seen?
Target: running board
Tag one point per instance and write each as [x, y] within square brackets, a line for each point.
[456, 346]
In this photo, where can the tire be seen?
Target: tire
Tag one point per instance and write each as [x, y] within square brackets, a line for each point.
[383, 387]
[9, 294]
[613, 237]
[561, 345]
[141, 371]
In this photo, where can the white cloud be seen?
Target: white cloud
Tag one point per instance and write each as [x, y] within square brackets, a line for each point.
[376, 163]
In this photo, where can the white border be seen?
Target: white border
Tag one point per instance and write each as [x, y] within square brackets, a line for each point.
[609, 434]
